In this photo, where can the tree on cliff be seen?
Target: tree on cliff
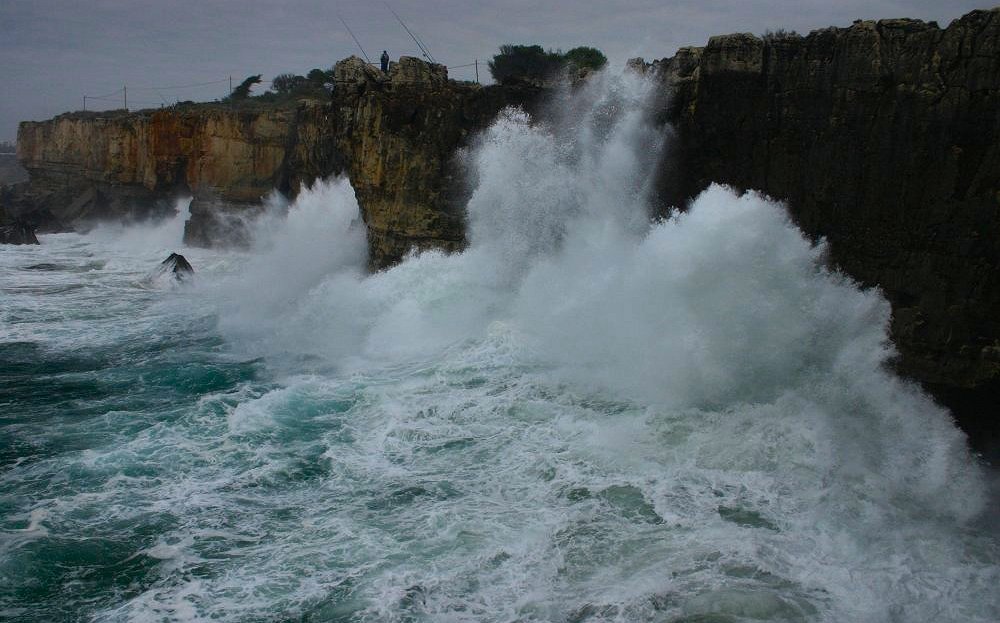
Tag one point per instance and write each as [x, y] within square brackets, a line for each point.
[533, 63]
[285, 84]
[586, 58]
[526, 62]
[316, 84]
[243, 90]
[321, 78]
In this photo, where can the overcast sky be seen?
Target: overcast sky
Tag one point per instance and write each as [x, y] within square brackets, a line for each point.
[53, 52]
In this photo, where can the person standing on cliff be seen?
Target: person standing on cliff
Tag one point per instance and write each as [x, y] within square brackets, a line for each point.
[385, 62]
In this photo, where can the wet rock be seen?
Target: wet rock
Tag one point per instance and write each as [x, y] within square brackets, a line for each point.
[18, 232]
[178, 266]
[399, 137]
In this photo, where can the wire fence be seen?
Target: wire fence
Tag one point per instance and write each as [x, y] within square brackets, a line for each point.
[167, 95]
[147, 94]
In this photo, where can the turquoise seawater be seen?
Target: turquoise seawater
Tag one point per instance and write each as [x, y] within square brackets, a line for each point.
[586, 416]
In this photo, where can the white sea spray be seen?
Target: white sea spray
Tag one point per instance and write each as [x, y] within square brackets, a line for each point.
[588, 415]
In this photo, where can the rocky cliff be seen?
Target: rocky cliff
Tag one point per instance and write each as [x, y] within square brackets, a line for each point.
[884, 138]
[399, 135]
[394, 135]
[93, 166]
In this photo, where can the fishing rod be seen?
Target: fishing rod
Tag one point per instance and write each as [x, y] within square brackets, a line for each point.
[420, 45]
[368, 60]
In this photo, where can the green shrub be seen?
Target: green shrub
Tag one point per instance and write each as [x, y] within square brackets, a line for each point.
[533, 63]
[320, 78]
[586, 58]
[780, 35]
[529, 62]
[285, 84]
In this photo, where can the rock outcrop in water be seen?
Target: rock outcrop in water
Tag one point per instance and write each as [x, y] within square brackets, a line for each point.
[178, 265]
[883, 138]
[173, 271]
[17, 232]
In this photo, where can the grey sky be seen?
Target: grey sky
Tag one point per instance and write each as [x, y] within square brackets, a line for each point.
[52, 52]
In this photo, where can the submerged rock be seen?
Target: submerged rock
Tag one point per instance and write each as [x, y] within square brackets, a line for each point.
[18, 232]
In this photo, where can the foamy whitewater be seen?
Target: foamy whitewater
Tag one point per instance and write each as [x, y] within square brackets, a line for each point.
[588, 415]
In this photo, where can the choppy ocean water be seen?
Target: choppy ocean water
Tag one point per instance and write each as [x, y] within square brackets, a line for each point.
[586, 416]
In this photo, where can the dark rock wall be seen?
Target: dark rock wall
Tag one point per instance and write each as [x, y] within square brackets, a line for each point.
[884, 138]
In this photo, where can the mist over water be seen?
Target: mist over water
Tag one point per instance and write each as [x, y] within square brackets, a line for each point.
[588, 415]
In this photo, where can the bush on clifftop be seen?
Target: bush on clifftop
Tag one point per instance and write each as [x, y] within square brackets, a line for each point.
[532, 63]
[317, 83]
[528, 62]
[586, 58]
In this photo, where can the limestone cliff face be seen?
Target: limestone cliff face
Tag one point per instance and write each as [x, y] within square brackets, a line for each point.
[95, 166]
[394, 135]
[884, 138]
[399, 135]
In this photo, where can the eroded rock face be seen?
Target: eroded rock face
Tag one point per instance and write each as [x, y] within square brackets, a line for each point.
[399, 135]
[884, 138]
[410, 71]
[88, 167]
